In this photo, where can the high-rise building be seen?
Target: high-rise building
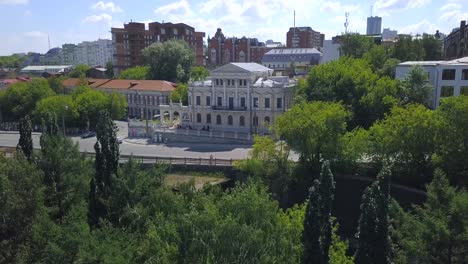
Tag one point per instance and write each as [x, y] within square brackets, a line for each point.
[388, 34]
[128, 42]
[304, 37]
[91, 53]
[456, 43]
[374, 25]
[222, 50]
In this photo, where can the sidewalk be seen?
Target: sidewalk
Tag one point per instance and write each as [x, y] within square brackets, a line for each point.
[139, 141]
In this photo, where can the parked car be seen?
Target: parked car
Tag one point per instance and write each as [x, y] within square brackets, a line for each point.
[119, 140]
[88, 134]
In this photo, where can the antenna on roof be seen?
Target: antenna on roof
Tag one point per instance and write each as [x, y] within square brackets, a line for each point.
[346, 24]
[294, 18]
[48, 40]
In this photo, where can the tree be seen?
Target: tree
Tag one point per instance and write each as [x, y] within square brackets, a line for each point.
[110, 69]
[432, 48]
[135, 73]
[117, 105]
[25, 143]
[435, 232]
[355, 45]
[313, 130]
[106, 164]
[374, 243]
[180, 94]
[376, 57]
[62, 106]
[389, 68]
[171, 61]
[89, 103]
[415, 88]
[199, 73]
[79, 71]
[408, 49]
[56, 84]
[317, 234]
[452, 139]
[406, 138]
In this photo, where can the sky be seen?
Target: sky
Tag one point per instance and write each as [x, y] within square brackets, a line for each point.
[27, 24]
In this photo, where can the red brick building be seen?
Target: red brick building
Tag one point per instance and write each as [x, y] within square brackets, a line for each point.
[222, 50]
[304, 38]
[129, 41]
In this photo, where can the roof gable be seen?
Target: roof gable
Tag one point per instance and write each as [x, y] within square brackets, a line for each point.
[242, 67]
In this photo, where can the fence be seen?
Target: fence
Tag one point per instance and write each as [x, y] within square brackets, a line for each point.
[179, 160]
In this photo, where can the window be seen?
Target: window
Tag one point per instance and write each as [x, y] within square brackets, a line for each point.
[255, 102]
[279, 103]
[448, 74]
[163, 31]
[220, 81]
[255, 121]
[220, 101]
[230, 120]
[231, 102]
[242, 102]
[208, 119]
[229, 82]
[218, 120]
[267, 102]
[267, 120]
[198, 118]
[446, 91]
[464, 74]
[208, 100]
[217, 82]
[198, 100]
[242, 121]
[464, 90]
[245, 82]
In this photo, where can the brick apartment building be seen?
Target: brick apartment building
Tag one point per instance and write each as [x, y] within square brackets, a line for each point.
[222, 50]
[304, 38]
[129, 41]
[456, 43]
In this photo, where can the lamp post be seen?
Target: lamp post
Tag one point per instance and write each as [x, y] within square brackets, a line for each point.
[63, 120]
[146, 114]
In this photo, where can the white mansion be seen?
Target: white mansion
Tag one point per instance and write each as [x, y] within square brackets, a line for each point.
[238, 97]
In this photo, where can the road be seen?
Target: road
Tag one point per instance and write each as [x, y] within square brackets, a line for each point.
[140, 147]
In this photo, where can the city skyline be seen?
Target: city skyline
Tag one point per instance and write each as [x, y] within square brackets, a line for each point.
[31, 22]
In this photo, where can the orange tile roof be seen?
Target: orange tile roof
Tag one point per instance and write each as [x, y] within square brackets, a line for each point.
[119, 84]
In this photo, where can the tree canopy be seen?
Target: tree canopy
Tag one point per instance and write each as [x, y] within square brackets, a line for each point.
[135, 73]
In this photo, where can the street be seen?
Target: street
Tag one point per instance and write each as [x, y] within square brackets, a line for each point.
[140, 147]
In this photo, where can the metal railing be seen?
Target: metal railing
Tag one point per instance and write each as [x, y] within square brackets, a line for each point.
[179, 160]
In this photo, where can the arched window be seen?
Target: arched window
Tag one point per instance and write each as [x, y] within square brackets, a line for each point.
[230, 120]
[218, 120]
[198, 118]
[241, 121]
[208, 118]
[267, 120]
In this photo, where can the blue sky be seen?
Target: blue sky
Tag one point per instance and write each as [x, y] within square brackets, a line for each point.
[27, 23]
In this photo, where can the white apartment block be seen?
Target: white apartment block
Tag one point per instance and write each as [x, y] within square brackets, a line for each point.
[239, 97]
[91, 53]
[449, 78]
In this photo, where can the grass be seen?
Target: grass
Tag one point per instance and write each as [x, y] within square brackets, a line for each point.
[200, 179]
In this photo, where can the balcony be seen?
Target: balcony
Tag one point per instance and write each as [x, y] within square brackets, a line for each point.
[229, 108]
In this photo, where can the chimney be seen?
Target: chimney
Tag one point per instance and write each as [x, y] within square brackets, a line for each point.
[462, 24]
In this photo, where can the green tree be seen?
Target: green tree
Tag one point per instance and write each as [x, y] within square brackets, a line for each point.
[408, 49]
[79, 71]
[355, 45]
[135, 73]
[171, 61]
[313, 130]
[374, 243]
[180, 94]
[110, 69]
[89, 103]
[56, 84]
[25, 143]
[117, 105]
[452, 139]
[432, 48]
[106, 164]
[435, 232]
[317, 234]
[406, 138]
[62, 106]
[376, 57]
[389, 68]
[199, 73]
[415, 88]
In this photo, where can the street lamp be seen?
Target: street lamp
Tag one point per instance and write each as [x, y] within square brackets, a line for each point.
[146, 113]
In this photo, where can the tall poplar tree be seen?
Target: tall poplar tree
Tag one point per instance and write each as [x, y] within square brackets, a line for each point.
[25, 143]
[317, 234]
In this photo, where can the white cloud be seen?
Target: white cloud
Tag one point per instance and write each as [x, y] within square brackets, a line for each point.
[175, 9]
[14, 2]
[399, 4]
[102, 18]
[35, 34]
[422, 27]
[106, 6]
[450, 6]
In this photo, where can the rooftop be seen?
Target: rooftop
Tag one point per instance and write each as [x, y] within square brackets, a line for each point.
[46, 67]
[251, 66]
[460, 61]
[118, 84]
[293, 51]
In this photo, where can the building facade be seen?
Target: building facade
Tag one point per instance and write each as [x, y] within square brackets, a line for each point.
[331, 50]
[304, 38]
[92, 53]
[299, 61]
[129, 41]
[449, 78]
[456, 43]
[222, 50]
[374, 25]
[240, 98]
[389, 35]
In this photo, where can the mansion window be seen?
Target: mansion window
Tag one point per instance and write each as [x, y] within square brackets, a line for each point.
[230, 120]
[199, 118]
[267, 120]
[220, 101]
[255, 102]
[208, 119]
[218, 120]
[446, 91]
[208, 100]
[241, 121]
[464, 74]
[448, 74]
[242, 102]
[267, 102]
[279, 103]
[198, 100]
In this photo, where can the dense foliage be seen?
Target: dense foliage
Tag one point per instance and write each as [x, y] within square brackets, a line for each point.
[135, 73]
